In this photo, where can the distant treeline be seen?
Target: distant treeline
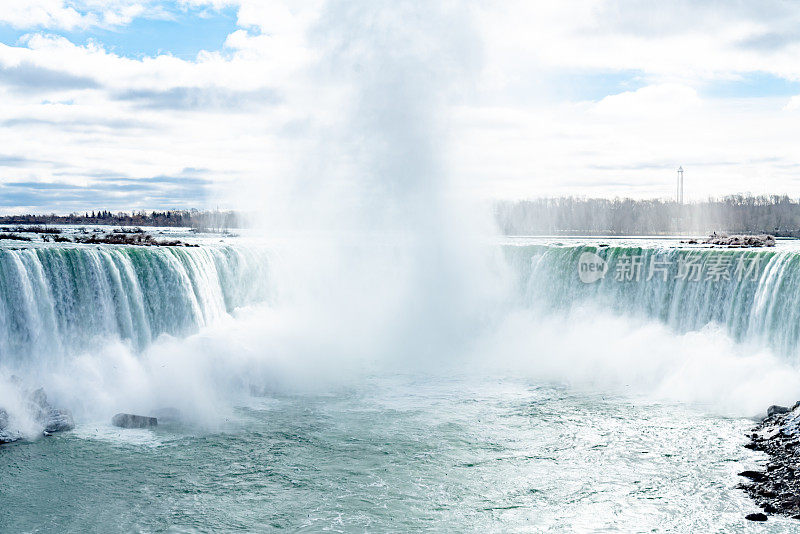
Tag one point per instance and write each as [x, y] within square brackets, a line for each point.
[200, 220]
[778, 215]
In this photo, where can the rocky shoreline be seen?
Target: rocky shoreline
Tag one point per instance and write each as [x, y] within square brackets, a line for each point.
[734, 241]
[34, 416]
[118, 236]
[44, 416]
[776, 489]
[741, 241]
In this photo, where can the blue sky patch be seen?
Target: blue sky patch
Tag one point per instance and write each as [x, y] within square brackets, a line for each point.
[751, 85]
[183, 35]
[596, 85]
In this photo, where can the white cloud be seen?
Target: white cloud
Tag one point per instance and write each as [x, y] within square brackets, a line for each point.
[263, 101]
[726, 146]
[667, 99]
[43, 13]
[78, 113]
[83, 14]
[671, 40]
[793, 104]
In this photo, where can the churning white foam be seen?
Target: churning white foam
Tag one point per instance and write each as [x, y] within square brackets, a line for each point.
[593, 348]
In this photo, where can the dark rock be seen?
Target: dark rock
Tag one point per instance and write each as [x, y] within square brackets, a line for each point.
[756, 517]
[38, 398]
[777, 489]
[127, 420]
[755, 476]
[52, 419]
[741, 241]
[775, 409]
[58, 421]
[7, 435]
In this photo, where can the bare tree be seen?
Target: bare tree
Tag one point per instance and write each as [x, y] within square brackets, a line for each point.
[776, 214]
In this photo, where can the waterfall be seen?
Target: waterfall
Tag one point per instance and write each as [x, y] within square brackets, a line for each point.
[752, 294]
[55, 301]
[58, 300]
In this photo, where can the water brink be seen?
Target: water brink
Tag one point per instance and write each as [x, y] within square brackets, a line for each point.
[57, 301]
[760, 307]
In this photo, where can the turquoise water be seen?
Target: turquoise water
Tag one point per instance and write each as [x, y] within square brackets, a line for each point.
[59, 299]
[546, 419]
[395, 454]
[753, 294]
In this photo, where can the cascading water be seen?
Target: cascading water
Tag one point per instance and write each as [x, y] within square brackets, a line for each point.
[56, 300]
[752, 294]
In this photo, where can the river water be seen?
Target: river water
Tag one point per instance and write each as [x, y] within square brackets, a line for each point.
[581, 408]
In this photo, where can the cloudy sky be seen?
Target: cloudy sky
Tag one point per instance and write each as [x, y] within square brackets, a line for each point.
[151, 104]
